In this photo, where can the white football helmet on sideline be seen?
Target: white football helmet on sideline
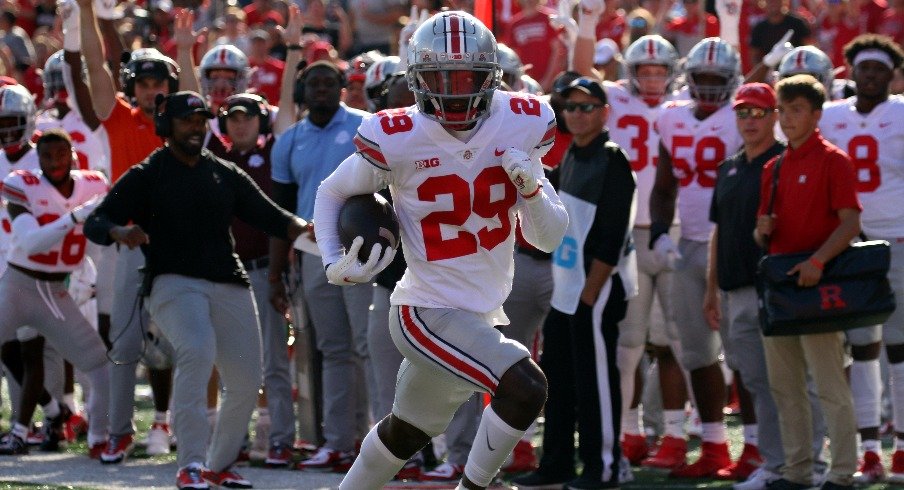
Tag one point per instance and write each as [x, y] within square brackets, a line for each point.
[453, 69]
[17, 116]
[713, 56]
[223, 57]
[651, 50]
[808, 60]
[375, 79]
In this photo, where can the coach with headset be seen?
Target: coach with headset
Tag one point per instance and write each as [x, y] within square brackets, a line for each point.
[178, 205]
[305, 154]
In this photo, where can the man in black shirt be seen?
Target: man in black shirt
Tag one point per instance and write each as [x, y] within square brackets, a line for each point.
[178, 205]
[733, 258]
[594, 274]
[767, 33]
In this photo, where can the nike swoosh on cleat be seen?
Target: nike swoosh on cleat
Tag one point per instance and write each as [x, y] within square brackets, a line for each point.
[498, 153]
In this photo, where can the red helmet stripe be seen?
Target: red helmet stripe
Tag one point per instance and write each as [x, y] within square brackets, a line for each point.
[711, 53]
[651, 49]
[222, 56]
[799, 62]
[456, 35]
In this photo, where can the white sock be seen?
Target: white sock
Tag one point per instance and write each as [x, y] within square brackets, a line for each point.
[494, 441]
[630, 422]
[20, 431]
[52, 409]
[896, 372]
[673, 420]
[69, 400]
[627, 359]
[866, 389]
[374, 466]
[95, 439]
[714, 432]
[872, 445]
[751, 434]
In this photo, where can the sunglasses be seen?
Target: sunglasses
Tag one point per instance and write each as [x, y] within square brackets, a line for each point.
[754, 112]
[585, 108]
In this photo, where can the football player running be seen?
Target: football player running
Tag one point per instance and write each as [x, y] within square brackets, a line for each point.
[867, 127]
[696, 135]
[460, 164]
[48, 208]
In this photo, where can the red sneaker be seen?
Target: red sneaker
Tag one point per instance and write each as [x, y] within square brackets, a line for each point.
[897, 467]
[635, 448]
[871, 470]
[75, 427]
[671, 454]
[328, 460]
[279, 455]
[747, 463]
[522, 460]
[411, 471]
[713, 457]
[96, 450]
[190, 477]
[226, 478]
[118, 449]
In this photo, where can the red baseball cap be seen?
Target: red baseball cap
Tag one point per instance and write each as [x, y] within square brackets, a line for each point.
[755, 94]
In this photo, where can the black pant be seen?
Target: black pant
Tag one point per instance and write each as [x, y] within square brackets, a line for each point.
[573, 363]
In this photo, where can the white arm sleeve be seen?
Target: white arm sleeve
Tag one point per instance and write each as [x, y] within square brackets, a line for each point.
[543, 218]
[354, 176]
[34, 238]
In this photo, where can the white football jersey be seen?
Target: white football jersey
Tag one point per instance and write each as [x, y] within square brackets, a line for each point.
[37, 195]
[697, 148]
[875, 143]
[29, 162]
[91, 147]
[631, 126]
[455, 202]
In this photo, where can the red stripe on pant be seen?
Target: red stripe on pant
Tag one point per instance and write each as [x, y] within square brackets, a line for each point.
[445, 356]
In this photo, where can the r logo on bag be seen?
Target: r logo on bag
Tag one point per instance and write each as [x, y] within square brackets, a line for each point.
[831, 297]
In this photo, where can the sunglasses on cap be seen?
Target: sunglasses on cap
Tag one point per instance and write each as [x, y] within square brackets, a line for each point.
[586, 108]
[753, 112]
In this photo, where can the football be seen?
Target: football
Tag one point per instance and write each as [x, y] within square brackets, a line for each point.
[369, 216]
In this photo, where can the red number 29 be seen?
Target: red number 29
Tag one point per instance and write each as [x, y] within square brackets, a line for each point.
[464, 242]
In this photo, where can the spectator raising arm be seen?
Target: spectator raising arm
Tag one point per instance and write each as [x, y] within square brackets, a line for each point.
[287, 110]
[103, 88]
[185, 42]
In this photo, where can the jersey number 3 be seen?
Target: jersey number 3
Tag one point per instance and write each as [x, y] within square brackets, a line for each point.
[464, 242]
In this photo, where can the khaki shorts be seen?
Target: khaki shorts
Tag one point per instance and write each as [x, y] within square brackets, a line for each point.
[449, 354]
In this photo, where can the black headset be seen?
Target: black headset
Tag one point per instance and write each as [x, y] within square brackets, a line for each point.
[130, 70]
[163, 122]
[263, 111]
[304, 69]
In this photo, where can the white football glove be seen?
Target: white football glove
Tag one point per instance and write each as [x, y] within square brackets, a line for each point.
[106, 9]
[563, 20]
[69, 11]
[349, 271]
[666, 252]
[781, 48]
[81, 212]
[729, 12]
[518, 165]
[415, 19]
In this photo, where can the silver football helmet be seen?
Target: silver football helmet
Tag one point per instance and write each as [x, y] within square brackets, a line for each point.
[375, 81]
[52, 76]
[17, 103]
[808, 60]
[713, 56]
[650, 50]
[453, 69]
[224, 57]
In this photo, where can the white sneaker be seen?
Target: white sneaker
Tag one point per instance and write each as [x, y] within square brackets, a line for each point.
[758, 480]
[158, 439]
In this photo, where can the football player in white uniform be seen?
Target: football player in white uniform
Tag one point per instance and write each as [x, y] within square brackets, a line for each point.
[461, 165]
[868, 127]
[696, 135]
[48, 208]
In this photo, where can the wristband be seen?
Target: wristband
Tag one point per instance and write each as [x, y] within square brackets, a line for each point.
[532, 194]
[656, 231]
[816, 263]
[294, 47]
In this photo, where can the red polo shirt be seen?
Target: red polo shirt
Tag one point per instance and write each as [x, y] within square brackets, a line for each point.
[815, 182]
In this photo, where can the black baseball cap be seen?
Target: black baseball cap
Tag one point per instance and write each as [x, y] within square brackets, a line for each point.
[587, 85]
[185, 103]
[253, 105]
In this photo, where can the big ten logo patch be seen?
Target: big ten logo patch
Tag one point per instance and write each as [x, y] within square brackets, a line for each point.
[566, 255]
[830, 297]
[426, 163]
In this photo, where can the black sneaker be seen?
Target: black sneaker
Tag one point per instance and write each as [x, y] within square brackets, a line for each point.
[835, 486]
[782, 484]
[586, 483]
[53, 430]
[13, 445]
[539, 481]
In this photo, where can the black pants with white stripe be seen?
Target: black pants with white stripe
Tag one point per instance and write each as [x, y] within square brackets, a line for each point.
[579, 362]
